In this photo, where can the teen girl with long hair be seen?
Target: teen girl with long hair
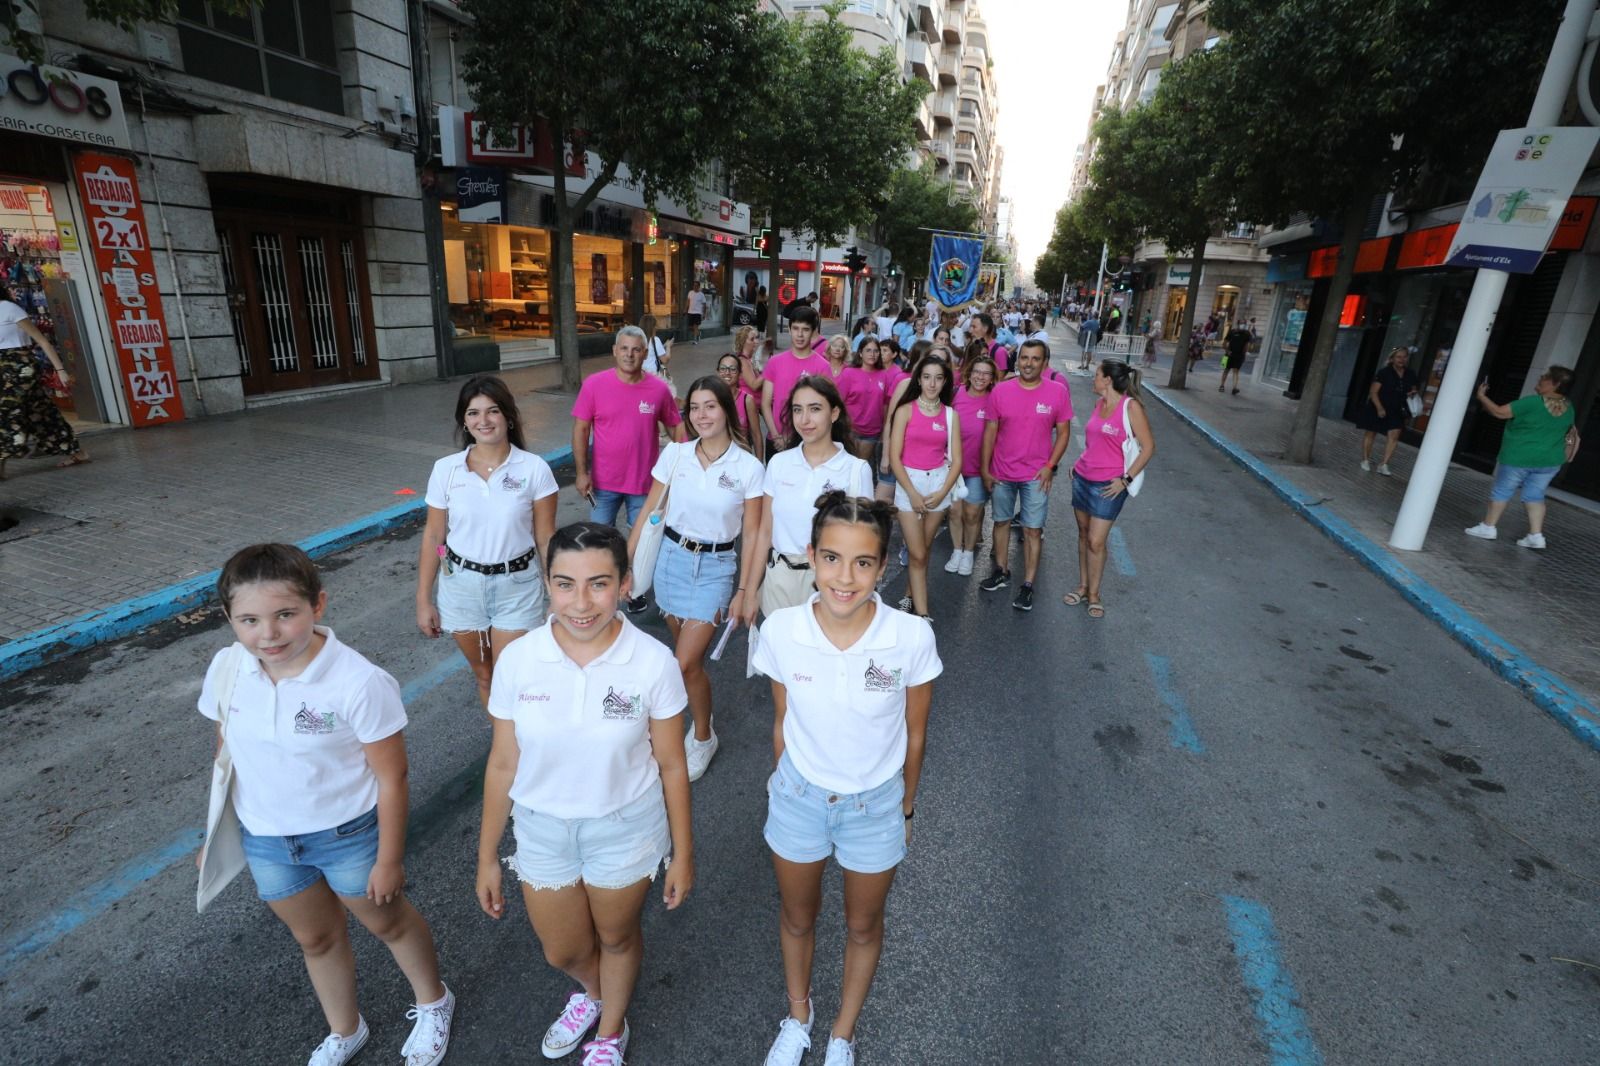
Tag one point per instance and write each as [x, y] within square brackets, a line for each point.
[925, 455]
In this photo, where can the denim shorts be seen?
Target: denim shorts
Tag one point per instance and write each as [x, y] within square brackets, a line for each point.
[1532, 480]
[470, 602]
[977, 494]
[343, 856]
[866, 831]
[694, 586]
[612, 851]
[927, 482]
[1034, 502]
[1086, 498]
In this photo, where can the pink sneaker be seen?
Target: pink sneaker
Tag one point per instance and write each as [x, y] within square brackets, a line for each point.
[577, 1018]
[608, 1050]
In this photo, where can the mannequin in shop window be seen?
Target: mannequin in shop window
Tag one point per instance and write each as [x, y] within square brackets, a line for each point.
[30, 422]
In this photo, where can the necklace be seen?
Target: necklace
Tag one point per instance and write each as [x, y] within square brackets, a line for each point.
[488, 467]
[926, 409]
[707, 456]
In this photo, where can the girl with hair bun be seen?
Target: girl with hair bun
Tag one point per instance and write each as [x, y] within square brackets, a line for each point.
[1101, 476]
[852, 682]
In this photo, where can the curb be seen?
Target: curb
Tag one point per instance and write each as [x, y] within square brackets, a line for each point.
[121, 619]
[1551, 694]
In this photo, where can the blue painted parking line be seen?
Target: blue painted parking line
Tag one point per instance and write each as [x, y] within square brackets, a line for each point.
[103, 895]
[1184, 737]
[1548, 692]
[1121, 558]
[1278, 1011]
[121, 619]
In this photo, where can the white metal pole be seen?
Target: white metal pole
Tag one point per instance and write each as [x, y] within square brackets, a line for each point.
[1466, 357]
[1100, 280]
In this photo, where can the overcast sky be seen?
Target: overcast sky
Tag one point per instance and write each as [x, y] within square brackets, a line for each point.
[1049, 56]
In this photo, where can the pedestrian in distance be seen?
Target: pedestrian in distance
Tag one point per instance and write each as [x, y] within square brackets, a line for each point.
[1541, 434]
[982, 341]
[714, 499]
[491, 510]
[966, 515]
[786, 368]
[29, 419]
[1088, 337]
[620, 412]
[1385, 410]
[694, 310]
[905, 330]
[884, 319]
[852, 684]
[320, 790]
[1023, 443]
[588, 762]
[1236, 344]
[1102, 474]
[762, 309]
[795, 478]
[925, 455]
[865, 327]
[746, 407]
[657, 352]
[1152, 335]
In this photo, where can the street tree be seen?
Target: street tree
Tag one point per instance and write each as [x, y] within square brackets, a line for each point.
[917, 201]
[1339, 101]
[821, 132]
[663, 83]
[1073, 251]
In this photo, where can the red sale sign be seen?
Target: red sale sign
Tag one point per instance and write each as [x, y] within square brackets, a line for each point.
[128, 278]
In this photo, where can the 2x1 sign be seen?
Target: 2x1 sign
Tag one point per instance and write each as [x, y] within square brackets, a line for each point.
[1520, 197]
[64, 104]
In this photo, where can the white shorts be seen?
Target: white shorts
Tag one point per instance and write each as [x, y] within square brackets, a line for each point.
[927, 483]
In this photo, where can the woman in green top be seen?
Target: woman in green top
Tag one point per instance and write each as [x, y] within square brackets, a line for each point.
[1531, 452]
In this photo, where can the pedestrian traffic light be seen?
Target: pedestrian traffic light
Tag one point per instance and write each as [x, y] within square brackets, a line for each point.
[764, 244]
[854, 261]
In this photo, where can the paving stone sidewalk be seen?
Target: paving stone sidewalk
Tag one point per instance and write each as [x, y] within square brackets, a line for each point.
[1543, 602]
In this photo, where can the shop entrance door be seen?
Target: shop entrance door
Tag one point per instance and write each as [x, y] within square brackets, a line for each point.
[299, 301]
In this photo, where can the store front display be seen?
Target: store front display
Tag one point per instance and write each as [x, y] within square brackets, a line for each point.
[710, 268]
[1426, 315]
[1288, 328]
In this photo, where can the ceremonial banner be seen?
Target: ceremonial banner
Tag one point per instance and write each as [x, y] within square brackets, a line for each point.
[953, 269]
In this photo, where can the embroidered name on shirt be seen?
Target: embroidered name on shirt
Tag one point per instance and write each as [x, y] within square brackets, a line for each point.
[728, 483]
[308, 721]
[533, 697]
[881, 680]
[802, 678]
[618, 707]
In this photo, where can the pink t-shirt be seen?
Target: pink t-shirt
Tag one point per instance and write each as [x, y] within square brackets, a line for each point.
[624, 418]
[1102, 457]
[1026, 417]
[927, 436]
[740, 405]
[864, 399]
[974, 412]
[783, 370]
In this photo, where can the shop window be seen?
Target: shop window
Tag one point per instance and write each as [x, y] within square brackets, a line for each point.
[283, 49]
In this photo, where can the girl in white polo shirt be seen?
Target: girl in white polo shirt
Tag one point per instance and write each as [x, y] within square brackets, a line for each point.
[320, 790]
[795, 478]
[852, 682]
[491, 509]
[588, 754]
[714, 497]
[925, 455]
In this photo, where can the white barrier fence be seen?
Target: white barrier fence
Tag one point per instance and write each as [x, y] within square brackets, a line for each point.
[1124, 346]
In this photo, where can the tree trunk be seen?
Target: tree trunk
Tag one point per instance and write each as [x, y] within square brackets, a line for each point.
[774, 277]
[563, 303]
[1303, 431]
[1178, 377]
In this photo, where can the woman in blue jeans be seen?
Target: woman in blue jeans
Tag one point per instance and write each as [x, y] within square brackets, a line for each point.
[1531, 452]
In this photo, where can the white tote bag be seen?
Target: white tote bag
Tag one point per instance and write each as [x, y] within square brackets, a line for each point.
[222, 854]
[958, 491]
[1130, 450]
[648, 549]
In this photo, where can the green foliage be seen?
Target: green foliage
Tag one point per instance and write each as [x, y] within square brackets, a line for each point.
[916, 202]
[1073, 251]
[124, 14]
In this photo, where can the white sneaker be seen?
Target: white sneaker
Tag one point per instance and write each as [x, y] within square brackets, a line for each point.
[966, 564]
[607, 1051]
[841, 1052]
[699, 753]
[954, 565]
[1365, 465]
[794, 1040]
[337, 1050]
[1532, 540]
[1483, 531]
[577, 1018]
[431, 1035]
[1383, 468]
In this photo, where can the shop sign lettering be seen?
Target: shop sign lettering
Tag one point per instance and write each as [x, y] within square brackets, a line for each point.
[55, 102]
[128, 280]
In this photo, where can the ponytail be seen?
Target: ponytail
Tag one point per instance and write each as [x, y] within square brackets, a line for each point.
[1124, 378]
[837, 506]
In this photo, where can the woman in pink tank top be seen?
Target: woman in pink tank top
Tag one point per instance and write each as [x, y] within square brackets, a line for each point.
[925, 456]
[1101, 475]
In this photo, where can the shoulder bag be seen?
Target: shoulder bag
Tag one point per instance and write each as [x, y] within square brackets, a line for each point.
[959, 490]
[222, 854]
[1573, 441]
[654, 529]
[1130, 450]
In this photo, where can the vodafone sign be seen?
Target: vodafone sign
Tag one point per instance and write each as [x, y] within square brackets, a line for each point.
[54, 102]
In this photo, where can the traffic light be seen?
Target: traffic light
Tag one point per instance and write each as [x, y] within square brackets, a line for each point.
[764, 244]
[854, 261]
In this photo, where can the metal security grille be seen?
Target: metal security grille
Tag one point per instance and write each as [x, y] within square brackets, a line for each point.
[319, 303]
[352, 300]
[274, 296]
[230, 280]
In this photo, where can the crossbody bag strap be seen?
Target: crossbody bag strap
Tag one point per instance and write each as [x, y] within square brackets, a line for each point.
[948, 429]
[225, 693]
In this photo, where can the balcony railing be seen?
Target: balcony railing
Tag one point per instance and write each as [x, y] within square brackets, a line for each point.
[947, 66]
[944, 113]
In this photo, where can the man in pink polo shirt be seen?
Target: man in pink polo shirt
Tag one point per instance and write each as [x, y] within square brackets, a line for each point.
[620, 411]
[786, 368]
[1019, 461]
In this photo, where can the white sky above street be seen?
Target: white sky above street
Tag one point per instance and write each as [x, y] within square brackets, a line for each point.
[1049, 56]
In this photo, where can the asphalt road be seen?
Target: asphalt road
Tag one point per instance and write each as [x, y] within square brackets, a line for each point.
[1261, 813]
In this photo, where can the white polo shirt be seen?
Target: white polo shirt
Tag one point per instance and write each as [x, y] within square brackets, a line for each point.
[707, 504]
[491, 520]
[845, 724]
[794, 485]
[584, 732]
[298, 762]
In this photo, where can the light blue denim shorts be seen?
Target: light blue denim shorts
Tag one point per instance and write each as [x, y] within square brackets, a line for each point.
[694, 586]
[977, 495]
[1028, 496]
[1532, 480]
[866, 831]
[612, 851]
[470, 602]
[343, 856]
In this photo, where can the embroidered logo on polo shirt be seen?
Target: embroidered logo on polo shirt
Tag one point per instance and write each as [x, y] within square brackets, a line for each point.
[620, 708]
[512, 484]
[728, 483]
[1044, 409]
[881, 680]
[938, 428]
[646, 407]
[829, 486]
[307, 720]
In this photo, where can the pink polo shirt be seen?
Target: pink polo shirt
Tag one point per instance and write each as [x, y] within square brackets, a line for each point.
[783, 370]
[624, 418]
[1026, 417]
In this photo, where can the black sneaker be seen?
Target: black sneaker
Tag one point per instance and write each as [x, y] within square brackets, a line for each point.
[1024, 600]
[997, 580]
[637, 605]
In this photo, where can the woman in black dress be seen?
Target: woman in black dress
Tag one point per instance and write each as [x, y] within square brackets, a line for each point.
[1385, 410]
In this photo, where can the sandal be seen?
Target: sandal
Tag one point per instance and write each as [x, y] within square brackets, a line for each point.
[73, 460]
[1072, 599]
[1097, 609]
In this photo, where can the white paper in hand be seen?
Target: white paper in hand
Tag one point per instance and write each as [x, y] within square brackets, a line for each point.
[750, 657]
[722, 642]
